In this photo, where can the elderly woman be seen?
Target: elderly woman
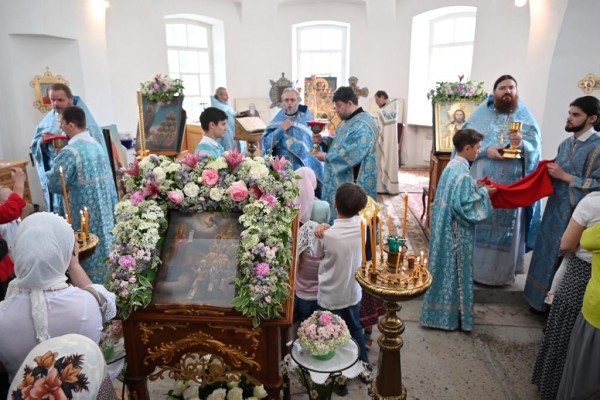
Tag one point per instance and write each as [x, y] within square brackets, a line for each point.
[39, 303]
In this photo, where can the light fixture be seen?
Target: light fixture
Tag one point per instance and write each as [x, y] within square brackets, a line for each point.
[520, 3]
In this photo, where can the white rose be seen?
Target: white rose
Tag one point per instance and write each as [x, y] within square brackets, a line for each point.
[235, 394]
[191, 189]
[259, 171]
[260, 392]
[179, 388]
[159, 174]
[191, 392]
[219, 394]
[216, 194]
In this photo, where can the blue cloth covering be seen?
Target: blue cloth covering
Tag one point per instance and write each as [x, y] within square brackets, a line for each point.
[209, 147]
[458, 205]
[501, 240]
[295, 143]
[90, 184]
[581, 159]
[352, 146]
[227, 141]
[44, 153]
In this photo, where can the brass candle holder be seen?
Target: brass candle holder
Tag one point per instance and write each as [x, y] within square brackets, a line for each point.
[391, 288]
[513, 151]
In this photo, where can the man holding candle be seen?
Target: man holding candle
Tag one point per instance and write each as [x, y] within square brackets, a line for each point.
[44, 152]
[83, 167]
[459, 204]
[350, 155]
[501, 240]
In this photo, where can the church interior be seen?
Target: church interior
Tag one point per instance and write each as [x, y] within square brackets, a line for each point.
[106, 48]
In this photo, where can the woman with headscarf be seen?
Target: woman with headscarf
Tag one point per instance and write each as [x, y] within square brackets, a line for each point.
[66, 367]
[39, 303]
[312, 213]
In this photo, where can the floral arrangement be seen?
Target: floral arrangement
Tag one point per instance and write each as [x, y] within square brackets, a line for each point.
[262, 188]
[52, 378]
[322, 333]
[111, 340]
[221, 383]
[453, 91]
[161, 88]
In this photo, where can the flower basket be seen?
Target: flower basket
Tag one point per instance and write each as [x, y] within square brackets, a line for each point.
[162, 89]
[322, 333]
[456, 91]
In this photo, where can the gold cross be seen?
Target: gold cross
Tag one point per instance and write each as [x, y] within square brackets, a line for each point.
[589, 83]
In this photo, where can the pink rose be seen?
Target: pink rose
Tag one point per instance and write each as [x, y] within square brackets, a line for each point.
[238, 191]
[175, 196]
[210, 177]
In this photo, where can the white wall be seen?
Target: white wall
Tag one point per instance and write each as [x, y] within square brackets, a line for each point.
[548, 46]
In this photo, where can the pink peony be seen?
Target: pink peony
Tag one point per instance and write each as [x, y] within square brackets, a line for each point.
[269, 199]
[137, 198]
[210, 177]
[238, 191]
[175, 196]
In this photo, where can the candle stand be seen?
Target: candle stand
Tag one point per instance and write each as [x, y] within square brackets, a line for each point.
[86, 246]
[391, 286]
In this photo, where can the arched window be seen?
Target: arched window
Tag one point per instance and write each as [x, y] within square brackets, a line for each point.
[441, 50]
[320, 48]
[190, 44]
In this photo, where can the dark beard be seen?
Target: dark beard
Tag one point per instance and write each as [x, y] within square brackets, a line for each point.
[506, 105]
[575, 128]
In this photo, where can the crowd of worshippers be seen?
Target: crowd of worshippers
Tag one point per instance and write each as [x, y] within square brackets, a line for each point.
[486, 215]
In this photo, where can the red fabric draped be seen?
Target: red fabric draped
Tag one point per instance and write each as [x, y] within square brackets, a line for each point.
[525, 191]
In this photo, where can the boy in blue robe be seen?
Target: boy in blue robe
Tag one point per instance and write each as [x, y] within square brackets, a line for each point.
[459, 204]
[214, 124]
[90, 183]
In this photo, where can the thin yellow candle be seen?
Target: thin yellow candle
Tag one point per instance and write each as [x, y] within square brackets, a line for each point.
[405, 214]
[398, 256]
[425, 264]
[64, 187]
[362, 242]
[390, 232]
[81, 219]
[141, 122]
[422, 258]
[87, 220]
[373, 243]
[380, 237]
[87, 229]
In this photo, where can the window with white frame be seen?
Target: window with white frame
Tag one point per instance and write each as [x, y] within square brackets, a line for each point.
[320, 48]
[190, 58]
[441, 50]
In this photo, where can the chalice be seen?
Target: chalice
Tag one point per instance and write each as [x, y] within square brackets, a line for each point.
[513, 151]
[316, 127]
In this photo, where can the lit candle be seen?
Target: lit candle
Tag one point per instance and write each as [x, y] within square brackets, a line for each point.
[373, 243]
[405, 214]
[380, 238]
[87, 229]
[422, 255]
[81, 218]
[425, 263]
[362, 242]
[64, 187]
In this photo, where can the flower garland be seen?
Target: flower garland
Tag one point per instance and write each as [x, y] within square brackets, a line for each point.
[455, 91]
[161, 88]
[322, 333]
[262, 188]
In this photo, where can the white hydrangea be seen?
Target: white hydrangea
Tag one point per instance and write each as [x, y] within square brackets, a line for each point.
[217, 163]
[216, 194]
[159, 174]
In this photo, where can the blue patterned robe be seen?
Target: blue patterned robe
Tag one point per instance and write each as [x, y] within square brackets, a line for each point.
[44, 153]
[584, 163]
[294, 144]
[352, 146]
[458, 205]
[227, 141]
[90, 184]
[501, 241]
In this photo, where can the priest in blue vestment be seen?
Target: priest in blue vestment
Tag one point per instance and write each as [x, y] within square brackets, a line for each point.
[501, 240]
[289, 136]
[350, 155]
[575, 173]
[89, 181]
[459, 204]
[44, 153]
[219, 100]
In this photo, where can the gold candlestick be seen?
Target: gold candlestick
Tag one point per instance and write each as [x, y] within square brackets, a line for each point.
[141, 123]
[65, 194]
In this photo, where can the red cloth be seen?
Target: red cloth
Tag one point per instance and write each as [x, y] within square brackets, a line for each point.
[12, 208]
[6, 268]
[525, 191]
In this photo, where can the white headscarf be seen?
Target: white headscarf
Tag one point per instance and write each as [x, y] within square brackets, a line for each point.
[74, 355]
[306, 197]
[42, 251]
